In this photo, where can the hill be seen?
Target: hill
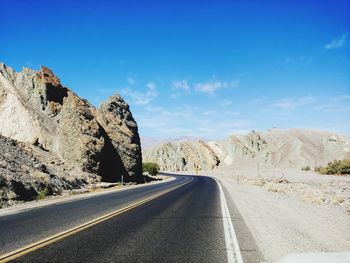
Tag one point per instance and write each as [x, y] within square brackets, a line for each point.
[276, 148]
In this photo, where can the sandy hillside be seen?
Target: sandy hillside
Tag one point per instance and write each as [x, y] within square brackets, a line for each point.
[274, 148]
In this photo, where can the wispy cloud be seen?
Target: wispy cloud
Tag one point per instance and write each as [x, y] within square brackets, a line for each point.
[181, 85]
[291, 103]
[142, 98]
[337, 42]
[187, 120]
[331, 107]
[211, 87]
[336, 104]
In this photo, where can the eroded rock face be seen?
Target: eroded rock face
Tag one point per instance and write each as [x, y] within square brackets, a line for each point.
[35, 108]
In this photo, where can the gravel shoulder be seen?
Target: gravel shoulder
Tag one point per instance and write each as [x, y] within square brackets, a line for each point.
[282, 221]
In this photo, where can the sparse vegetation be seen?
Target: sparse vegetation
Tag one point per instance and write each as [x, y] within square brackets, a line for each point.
[151, 168]
[42, 194]
[305, 168]
[335, 167]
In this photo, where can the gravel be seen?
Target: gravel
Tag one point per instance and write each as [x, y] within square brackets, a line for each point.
[283, 223]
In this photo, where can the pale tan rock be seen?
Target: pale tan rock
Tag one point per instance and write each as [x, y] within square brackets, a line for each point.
[275, 148]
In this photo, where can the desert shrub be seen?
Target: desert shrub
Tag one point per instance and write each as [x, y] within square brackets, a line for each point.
[336, 167]
[151, 168]
[42, 194]
[306, 168]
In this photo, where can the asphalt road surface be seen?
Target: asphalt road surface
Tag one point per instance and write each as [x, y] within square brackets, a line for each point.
[183, 225]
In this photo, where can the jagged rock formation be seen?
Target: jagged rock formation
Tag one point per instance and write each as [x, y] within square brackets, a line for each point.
[35, 108]
[274, 148]
[120, 127]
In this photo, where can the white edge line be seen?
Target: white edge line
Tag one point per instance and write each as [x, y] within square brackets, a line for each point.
[232, 247]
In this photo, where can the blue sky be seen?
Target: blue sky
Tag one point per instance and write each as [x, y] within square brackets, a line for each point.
[194, 68]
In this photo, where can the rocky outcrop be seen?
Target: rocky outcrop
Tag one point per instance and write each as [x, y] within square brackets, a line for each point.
[121, 129]
[274, 148]
[35, 108]
[28, 173]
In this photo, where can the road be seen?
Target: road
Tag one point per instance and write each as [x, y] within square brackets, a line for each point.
[183, 225]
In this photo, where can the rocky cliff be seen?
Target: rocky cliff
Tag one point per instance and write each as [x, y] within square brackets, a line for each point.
[35, 108]
[120, 127]
[275, 148]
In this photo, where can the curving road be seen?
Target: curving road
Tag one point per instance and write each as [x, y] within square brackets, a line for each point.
[182, 225]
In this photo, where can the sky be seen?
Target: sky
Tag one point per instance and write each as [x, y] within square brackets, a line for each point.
[203, 69]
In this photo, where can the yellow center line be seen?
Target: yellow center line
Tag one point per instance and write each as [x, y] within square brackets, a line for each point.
[44, 242]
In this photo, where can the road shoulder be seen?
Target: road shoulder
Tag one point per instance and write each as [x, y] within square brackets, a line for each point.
[247, 244]
[65, 198]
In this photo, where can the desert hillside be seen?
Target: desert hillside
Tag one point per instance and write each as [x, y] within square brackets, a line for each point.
[275, 148]
[149, 141]
[43, 124]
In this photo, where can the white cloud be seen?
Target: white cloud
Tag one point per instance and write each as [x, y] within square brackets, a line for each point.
[181, 85]
[291, 103]
[211, 87]
[142, 98]
[337, 42]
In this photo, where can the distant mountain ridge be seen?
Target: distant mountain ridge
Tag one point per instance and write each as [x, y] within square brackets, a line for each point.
[275, 148]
